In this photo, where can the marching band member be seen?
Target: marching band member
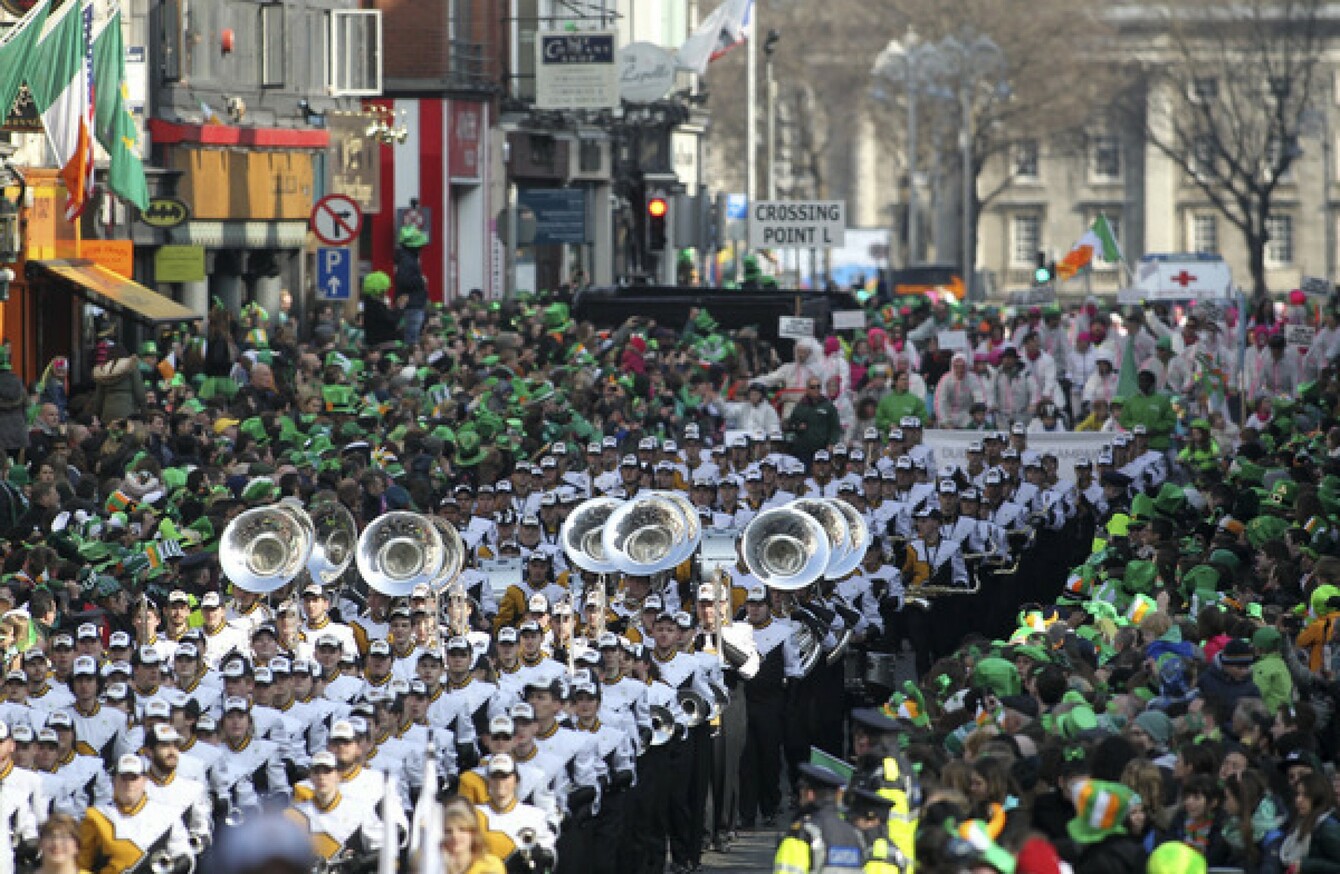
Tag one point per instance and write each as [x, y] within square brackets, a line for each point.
[115, 837]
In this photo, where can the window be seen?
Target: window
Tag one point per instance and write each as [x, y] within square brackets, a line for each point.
[1279, 240]
[1204, 88]
[1105, 157]
[355, 52]
[274, 44]
[1205, 233]
[1113, 222]
[1025, 159]
[1025, 240]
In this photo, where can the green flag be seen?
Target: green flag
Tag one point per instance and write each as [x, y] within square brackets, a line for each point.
[114, 126]
[16, 51]
[1127, 386]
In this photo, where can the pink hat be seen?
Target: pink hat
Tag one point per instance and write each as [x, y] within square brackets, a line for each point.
[1083, 337]
[638, 343]
[831, 345]
[1297, 298]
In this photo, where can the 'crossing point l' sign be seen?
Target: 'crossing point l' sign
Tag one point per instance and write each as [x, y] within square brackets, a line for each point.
[797, 224]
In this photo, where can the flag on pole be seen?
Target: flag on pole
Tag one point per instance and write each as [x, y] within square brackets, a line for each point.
[1097, 240]
[61, 79]
[426, 829]
[114, 126]
[725, 28]
[16, 53]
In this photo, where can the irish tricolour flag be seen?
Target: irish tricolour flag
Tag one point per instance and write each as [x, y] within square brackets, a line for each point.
[61, 80]
[1097, 240]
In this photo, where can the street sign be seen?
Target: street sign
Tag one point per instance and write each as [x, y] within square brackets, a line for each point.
[795, 328]
[737, 206]
[1317, 286]
[336, 220]
[334, 273]
[576, 70]
[1300, 336]
[797, 224]
[165, 212]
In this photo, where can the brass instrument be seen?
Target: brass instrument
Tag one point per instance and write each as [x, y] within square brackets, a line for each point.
[399, 551]
[648, 535]
[263, 549]
[662, 725]
[695, 707]
[581, 537]
[336, 538]
[786, 549]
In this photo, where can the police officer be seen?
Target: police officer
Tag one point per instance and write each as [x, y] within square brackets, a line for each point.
[819, 839]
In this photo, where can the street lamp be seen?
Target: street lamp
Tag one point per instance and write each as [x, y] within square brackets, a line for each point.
[970, 61]
[909, 63]
[770, 46]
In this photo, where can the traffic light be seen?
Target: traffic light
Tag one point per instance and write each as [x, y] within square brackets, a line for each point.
[1042, 275]
[658, 212]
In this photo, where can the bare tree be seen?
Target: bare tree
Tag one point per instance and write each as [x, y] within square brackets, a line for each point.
[1042, 86]
[1224, 94]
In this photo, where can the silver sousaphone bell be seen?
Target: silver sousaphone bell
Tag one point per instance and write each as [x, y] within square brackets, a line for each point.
[581, 533]
[646, 535]
[785, 548]
[398, 551]
[263, 549]
[336, 540]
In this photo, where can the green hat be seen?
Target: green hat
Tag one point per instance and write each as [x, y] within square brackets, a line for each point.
[1264, 529]
[260, 489]
[1202, 577]
[1248, 472]
[1142, 507]
[174, 478]
[1266, 639]
[1139, 577]
[1320, 597]
[254, 428]
[376, 284]
[1100, 810]
[193, 406]
[148, 347]
[1284, 494]
[998, 675]
[469, 449]
[1175, 857]
[412, 238]
[1170, 500]
[338, 398]
[1077, 720]
[18, 475]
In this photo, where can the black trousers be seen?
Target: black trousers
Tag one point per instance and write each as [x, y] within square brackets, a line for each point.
[658, 809]
[699, 785]
[607, 833]
[727, 751]
[761, 759]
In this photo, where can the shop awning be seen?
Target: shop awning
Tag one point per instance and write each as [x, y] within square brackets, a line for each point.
[102, 287]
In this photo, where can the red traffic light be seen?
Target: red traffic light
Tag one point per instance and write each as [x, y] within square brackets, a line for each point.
[657, 207]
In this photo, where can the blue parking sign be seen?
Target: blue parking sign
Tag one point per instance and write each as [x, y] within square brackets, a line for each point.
[334, 273]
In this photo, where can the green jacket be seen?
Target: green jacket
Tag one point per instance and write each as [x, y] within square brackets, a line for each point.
[1272, 677]
[813, 426]
[1155, 412]
[895, 406]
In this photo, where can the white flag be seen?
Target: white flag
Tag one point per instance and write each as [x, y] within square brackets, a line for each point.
[724, 29]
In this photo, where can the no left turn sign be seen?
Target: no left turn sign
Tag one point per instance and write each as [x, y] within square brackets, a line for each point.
[336, 220]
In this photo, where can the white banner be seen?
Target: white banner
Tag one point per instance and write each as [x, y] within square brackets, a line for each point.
[951, 447]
